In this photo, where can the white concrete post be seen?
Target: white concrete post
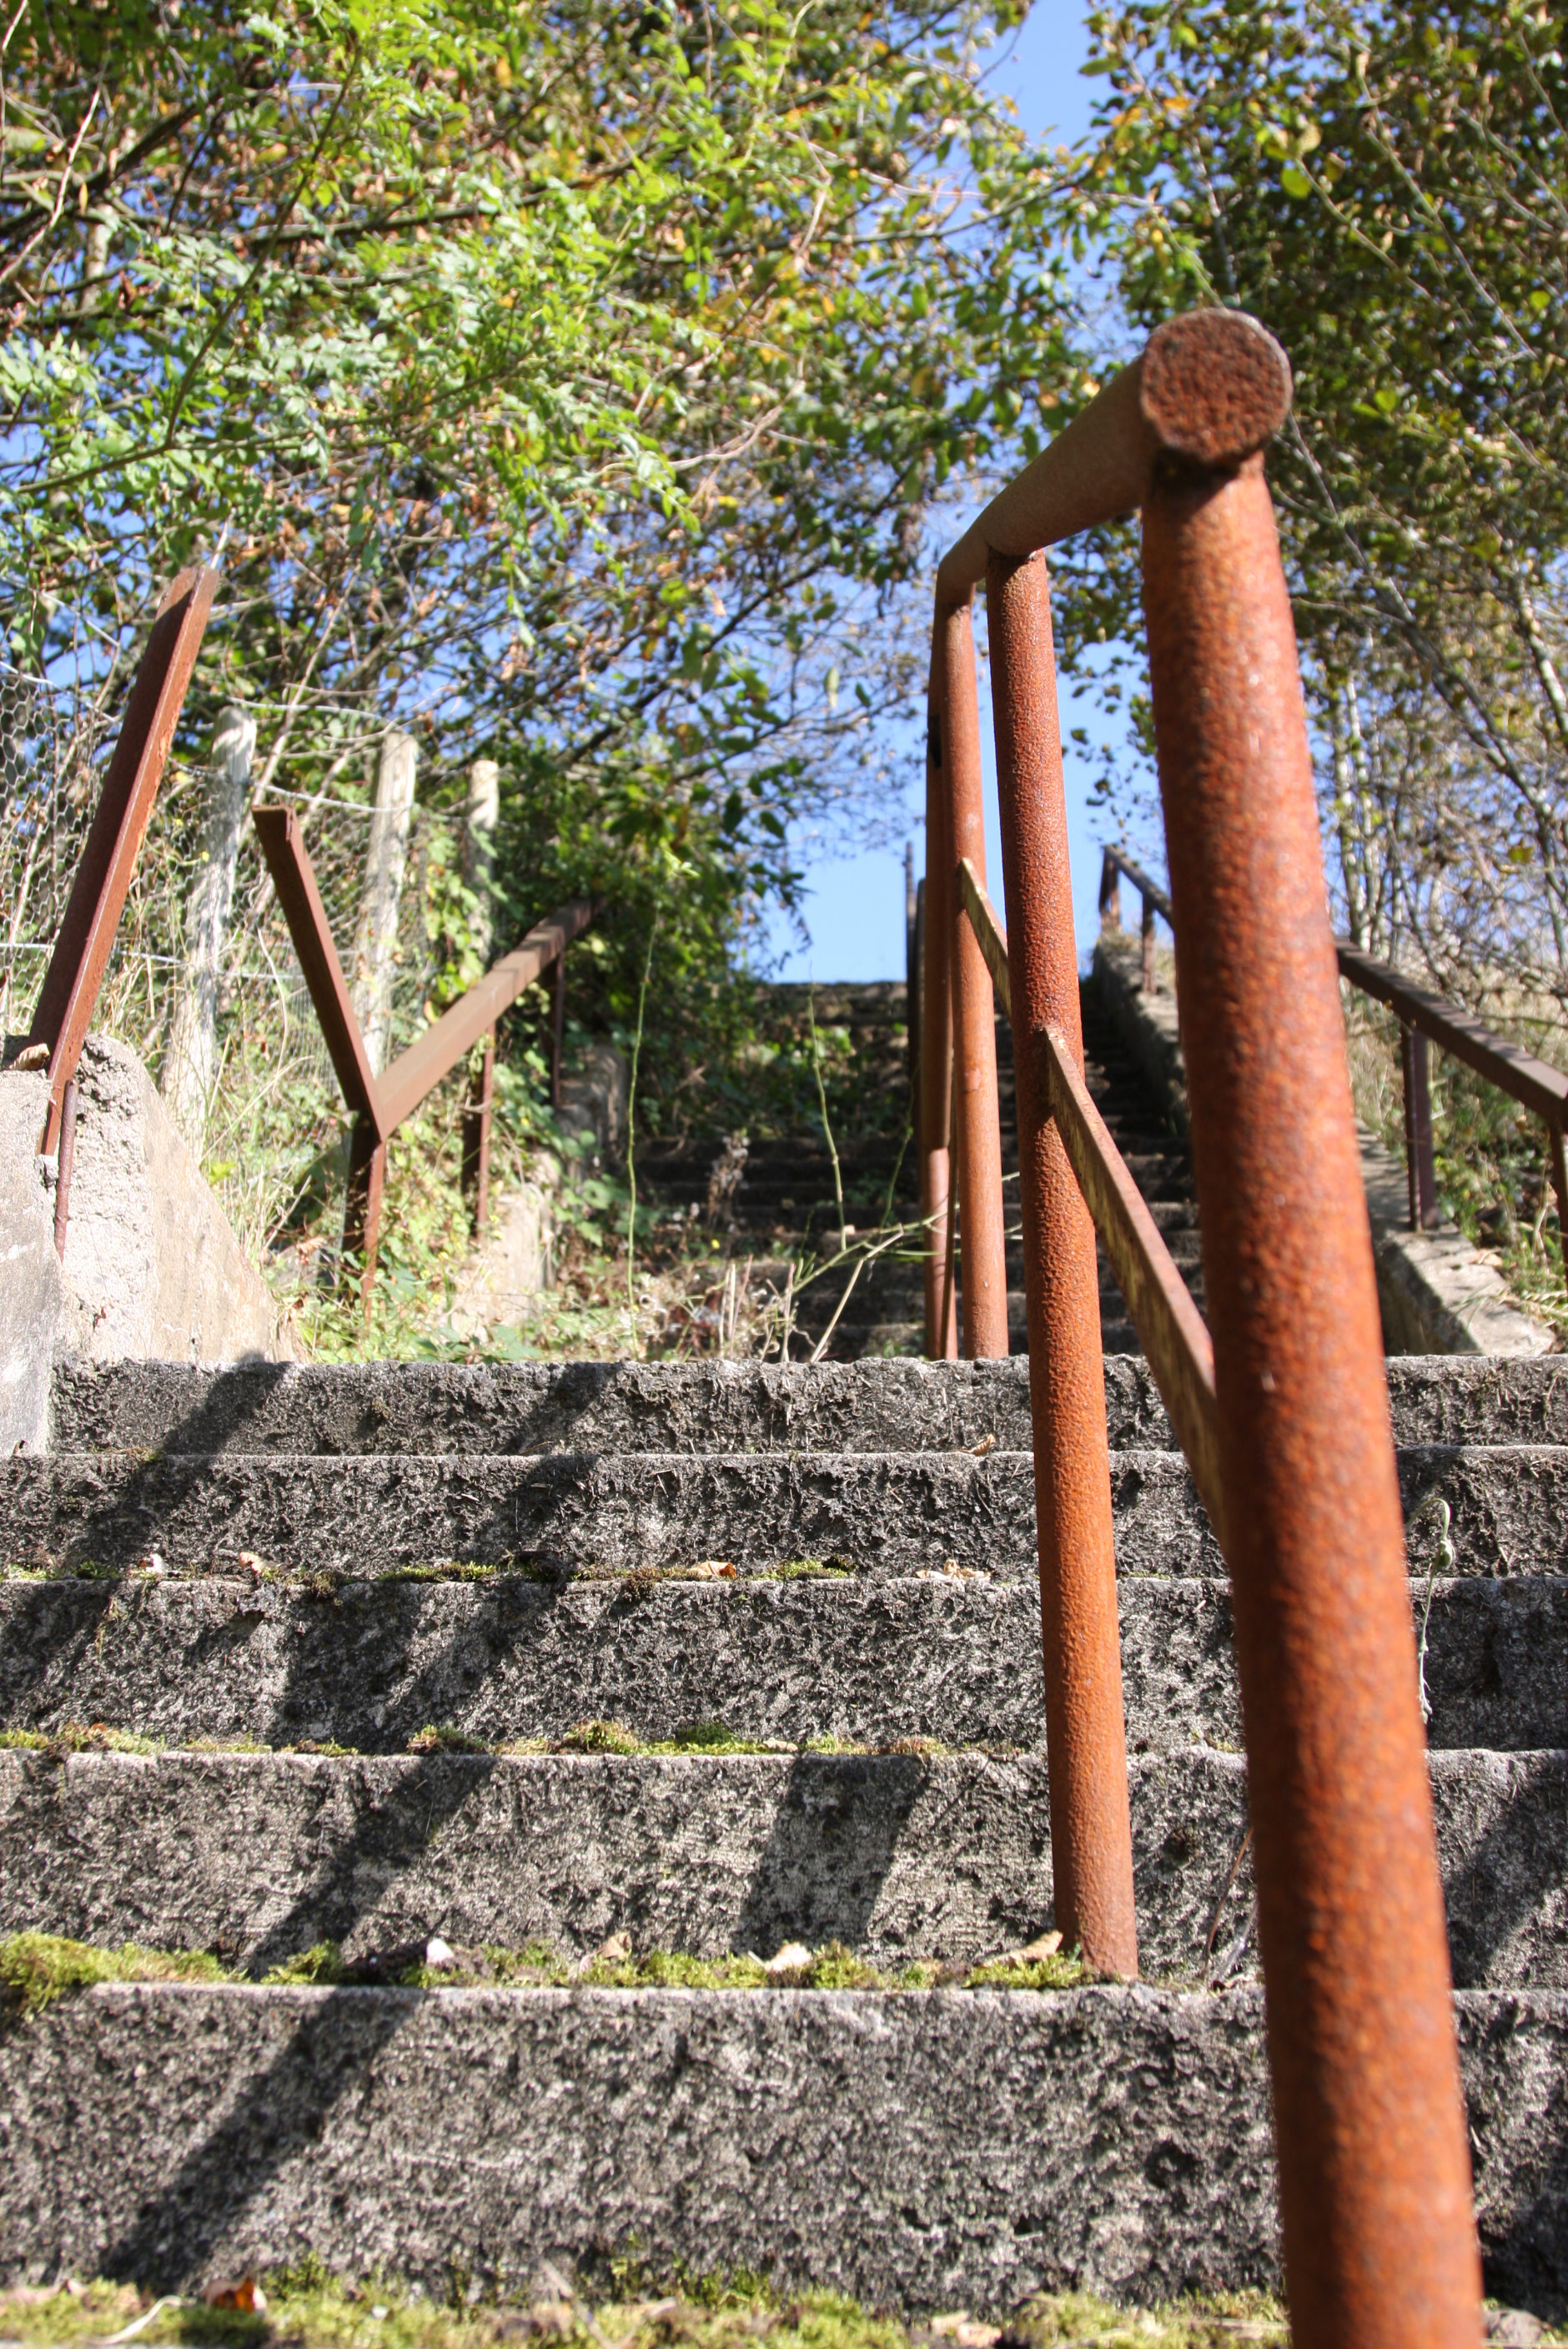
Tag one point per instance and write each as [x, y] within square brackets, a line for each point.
[190, 1058]
[375, 939]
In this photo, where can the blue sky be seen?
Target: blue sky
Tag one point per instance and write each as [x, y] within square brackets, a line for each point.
[855, 908]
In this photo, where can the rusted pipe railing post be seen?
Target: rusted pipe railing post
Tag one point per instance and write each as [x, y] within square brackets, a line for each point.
[1559, 1161]
[1374, 2167]
[1091, 1839]
[977, 1140]
[1416, 1062]
[936, 1047]
[1110, 893]
[916, 1004]
[477, 1112]
[1146, 931]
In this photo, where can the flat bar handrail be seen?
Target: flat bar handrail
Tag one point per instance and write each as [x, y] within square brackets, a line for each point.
[1509, 1067]
[293, 878]
[1212, 388]
[404, 1085]
[69, 994]
[1113, 860]
[1174, 1335]
[380, 1104]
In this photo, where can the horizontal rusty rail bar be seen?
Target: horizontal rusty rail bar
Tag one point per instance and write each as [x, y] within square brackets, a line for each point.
[1510, 1066]
[1173, 1333]
[404, 1085]
[69, 994]
[1212, 388]
[1150, 891]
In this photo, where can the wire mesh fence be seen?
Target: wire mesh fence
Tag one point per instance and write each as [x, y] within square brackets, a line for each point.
[267, 1118]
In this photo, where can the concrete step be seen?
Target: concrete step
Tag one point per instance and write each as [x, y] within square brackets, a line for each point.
[889, 1512]
[863, 1660]
[259, 1856]
[924, 2150]
[719, 1406]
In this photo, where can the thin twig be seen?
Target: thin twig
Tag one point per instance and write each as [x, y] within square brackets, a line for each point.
[827, 1121]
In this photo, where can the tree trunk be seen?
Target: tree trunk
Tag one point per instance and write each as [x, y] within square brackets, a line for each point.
[190, 1060]
[376, 940]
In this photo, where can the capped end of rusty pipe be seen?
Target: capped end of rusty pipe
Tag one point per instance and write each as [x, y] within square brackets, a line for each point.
[1210, 388]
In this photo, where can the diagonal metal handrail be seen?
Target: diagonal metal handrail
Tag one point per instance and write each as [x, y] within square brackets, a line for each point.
[69, 994]
[379, 1105]
[1172, 1332]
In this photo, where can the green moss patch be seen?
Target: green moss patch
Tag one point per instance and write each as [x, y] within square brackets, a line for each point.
[643, 2310]
[36, 1969]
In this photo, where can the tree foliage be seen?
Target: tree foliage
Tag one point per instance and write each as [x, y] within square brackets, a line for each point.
[573, 383]
[1387, 190]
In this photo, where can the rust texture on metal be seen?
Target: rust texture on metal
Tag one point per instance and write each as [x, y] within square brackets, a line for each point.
[404, 1085]
[936, 1049]
[293, 878]
[1510, 1066]
[70, 991]
[916, 1002]
[1415, 1057]
[65, 1165]
[557, 1026]
[1375, 2188]
[1210, 386]
[1172, 1330]
[977, 1134]
[477, 1112]
[1109, 891]
[1091, 1842]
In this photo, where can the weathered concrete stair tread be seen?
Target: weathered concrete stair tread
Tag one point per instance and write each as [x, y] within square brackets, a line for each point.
[866, 1659]
[991, 2143]
[260, 1856]
[887, 1512]
[711, 1406]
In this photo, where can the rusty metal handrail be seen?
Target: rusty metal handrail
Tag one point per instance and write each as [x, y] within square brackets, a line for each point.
[1113, 864]
[1174, 1334]
[1425, 1017]
[1374, 2169]
[69, 994]
[379, 1105]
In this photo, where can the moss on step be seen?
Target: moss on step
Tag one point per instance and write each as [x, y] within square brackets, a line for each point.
[644, 2310]
[37, 1969]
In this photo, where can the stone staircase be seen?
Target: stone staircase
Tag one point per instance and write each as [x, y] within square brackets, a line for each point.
[784, 1204]
[354, 1635]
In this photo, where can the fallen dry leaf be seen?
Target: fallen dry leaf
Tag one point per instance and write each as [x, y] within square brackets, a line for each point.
[616, 1949]
[237, 2291]
[1045, 1947]
[987, 1444]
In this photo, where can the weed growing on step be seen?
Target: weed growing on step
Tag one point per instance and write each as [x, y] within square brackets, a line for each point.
[76, 1737]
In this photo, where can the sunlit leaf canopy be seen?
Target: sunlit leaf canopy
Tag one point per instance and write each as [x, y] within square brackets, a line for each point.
[575, 383]
[1387, 188]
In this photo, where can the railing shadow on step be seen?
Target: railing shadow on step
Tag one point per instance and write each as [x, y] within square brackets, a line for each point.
[1425, 1018]
[379, 1103]
[1283, 1411]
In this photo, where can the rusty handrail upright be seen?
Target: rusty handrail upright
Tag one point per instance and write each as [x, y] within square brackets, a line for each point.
[1091, 1833]
[936, 1059]
[1113, 864]
[977, 1143]
[69, 994]
[1374, 2166]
